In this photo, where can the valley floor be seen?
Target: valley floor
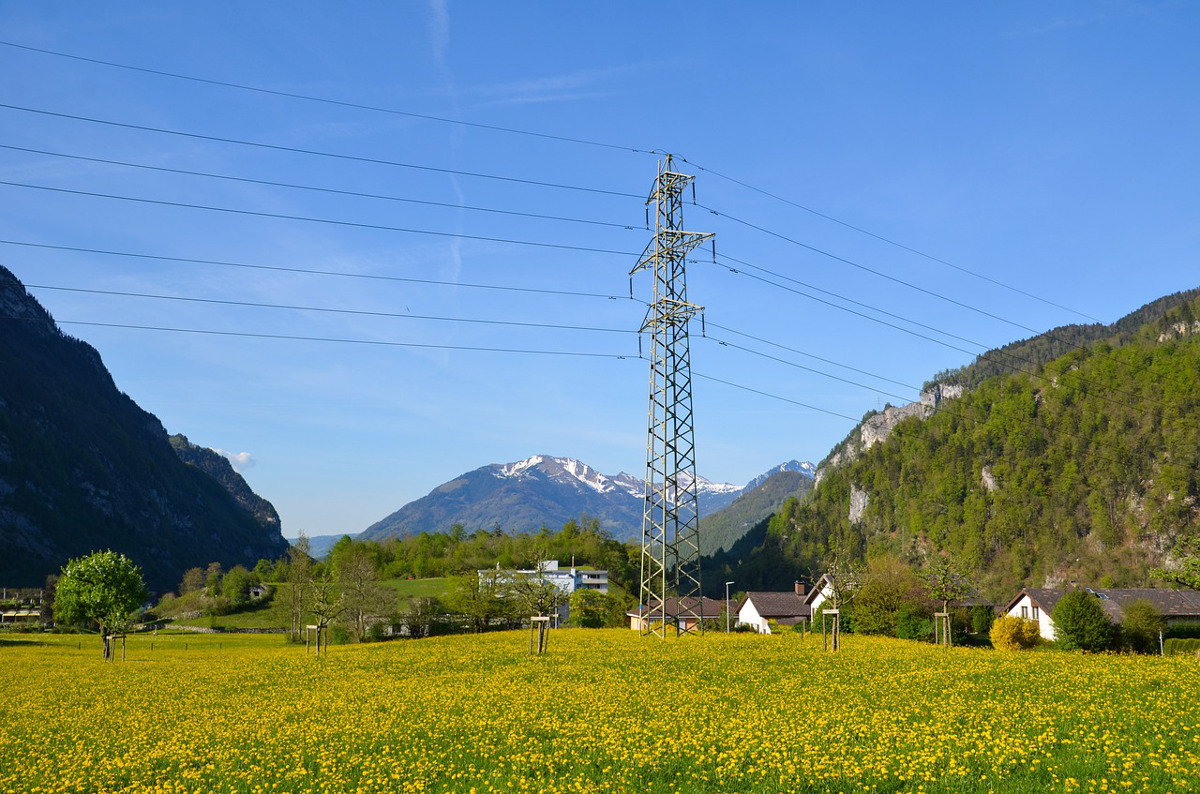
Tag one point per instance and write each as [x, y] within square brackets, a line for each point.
[603, 710]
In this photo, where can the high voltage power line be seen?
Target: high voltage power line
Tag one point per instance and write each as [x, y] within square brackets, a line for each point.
[328, 101]
[330, 221]
[622, 253]
[715, 173]
[711, 210]
[1001, 361]
[481, 321]
[313, 272]
[339, 340]
[983, 356]
[316, 189]
[317, 153]
[332, 310]
[512, 130]
[889, 241]
[897, 280]
[871, 270]
[952, 408]
[732, 218]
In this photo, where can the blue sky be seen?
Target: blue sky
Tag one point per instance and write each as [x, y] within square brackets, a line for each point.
[1049, 147]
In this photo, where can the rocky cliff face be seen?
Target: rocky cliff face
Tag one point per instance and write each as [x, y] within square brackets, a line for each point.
[876, 428]
[83, 468]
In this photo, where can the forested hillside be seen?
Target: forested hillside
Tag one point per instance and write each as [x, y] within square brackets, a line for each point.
[1083, 468]
[722, 529]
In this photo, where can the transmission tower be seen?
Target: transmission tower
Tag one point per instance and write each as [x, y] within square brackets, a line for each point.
[671, 519]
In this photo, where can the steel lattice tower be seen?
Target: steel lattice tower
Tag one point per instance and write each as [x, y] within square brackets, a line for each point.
[671, 520]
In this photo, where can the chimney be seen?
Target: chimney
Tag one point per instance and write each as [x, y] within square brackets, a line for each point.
[800, 588]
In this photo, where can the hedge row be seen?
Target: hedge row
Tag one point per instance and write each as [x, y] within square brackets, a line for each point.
[1178, 647]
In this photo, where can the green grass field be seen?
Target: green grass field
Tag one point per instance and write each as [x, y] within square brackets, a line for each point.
[419, 588]
[604, 710]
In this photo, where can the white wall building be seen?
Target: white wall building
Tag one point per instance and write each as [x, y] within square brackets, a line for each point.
[567, 580]
[1034, 603]
[757, 609]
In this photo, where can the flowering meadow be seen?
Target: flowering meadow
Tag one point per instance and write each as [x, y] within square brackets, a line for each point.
[602, 711]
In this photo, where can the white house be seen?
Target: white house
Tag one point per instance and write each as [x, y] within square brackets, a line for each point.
[821, 592]
[788, 607]
[1034, 603]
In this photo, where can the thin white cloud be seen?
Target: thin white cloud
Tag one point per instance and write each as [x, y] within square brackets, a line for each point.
[586, 84]
[241, 461]
[439, 31]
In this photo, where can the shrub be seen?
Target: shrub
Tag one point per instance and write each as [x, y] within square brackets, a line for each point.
[1080, 623]
[912, 623]
[888, 587]
[1014, 634]
[982, 617]
[1140, 626]
[1181, 647]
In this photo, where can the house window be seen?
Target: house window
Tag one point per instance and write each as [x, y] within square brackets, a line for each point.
[1035, 612]
[1025, 613]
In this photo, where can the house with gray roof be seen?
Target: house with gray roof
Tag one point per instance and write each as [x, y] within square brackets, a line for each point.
[1037, 603]
[785, 608]
[688, 612]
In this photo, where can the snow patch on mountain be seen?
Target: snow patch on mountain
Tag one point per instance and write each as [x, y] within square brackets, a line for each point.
[570, 470]
[805, 468]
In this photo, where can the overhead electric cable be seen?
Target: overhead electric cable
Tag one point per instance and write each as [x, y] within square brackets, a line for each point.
[306, 219]
[331, 273]
[326, 100]
[330, 310]
[317, 153]
[334, 191]
[873, 271]
[1032, 372]
[839, 296]
[772, 396]
[342, 340]
[891, 242]
[727, 329]
[779, 360]
[1048, 334]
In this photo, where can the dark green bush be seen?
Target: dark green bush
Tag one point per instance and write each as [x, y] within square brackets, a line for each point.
[913, 623]
[1189, 631]
[1140, 626]
[1081, 624]
[981, 618]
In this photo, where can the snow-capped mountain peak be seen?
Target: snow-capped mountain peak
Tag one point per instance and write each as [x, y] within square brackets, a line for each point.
[578, 472]
[805, 468]
[562, 470]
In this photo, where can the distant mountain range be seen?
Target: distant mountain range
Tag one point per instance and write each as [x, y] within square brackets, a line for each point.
[544, 491]
[83, 468]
